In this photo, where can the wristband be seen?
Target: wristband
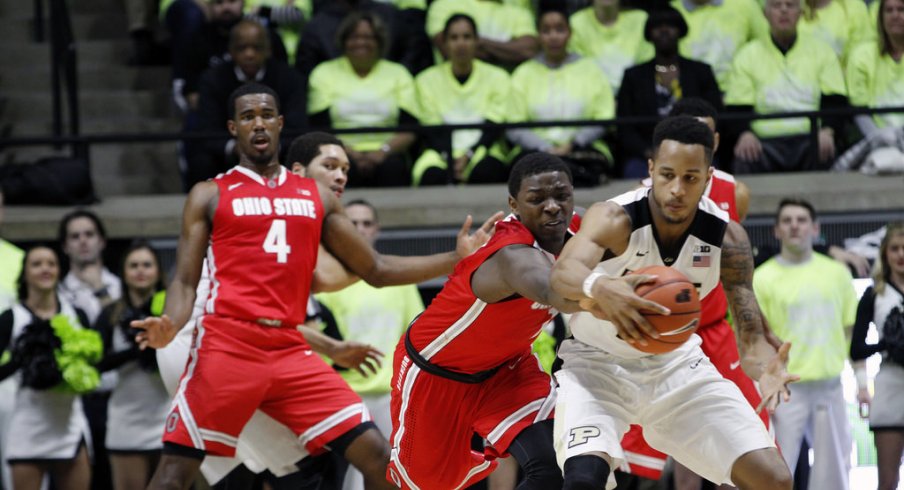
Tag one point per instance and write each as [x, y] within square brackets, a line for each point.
[590, 280]
[860, 375]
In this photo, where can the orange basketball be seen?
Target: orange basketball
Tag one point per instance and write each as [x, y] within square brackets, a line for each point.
[673, 290]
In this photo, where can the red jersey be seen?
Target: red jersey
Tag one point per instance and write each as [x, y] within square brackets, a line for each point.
[459, 332]
[263, 247]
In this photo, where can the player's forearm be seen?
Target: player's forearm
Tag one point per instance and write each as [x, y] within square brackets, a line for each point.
[180, 299]
[394, 270]
[320, 342]
[567, 279]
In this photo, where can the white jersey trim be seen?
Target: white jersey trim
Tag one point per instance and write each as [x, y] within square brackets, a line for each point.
[457, 328]
[334, 420]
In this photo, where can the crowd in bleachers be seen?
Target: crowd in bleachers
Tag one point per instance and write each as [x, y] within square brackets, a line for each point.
[363, 63]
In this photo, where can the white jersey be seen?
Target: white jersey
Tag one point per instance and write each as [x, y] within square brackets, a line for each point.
[697, 256]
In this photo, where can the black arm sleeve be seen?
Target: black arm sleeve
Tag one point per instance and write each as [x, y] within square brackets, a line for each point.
[6, 330]
[859, 348]
[6, 334]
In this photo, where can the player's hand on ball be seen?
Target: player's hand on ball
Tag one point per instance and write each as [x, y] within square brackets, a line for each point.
[467, 242]
[364, 358]
[156, 332]
[617, 302]
[775, 379]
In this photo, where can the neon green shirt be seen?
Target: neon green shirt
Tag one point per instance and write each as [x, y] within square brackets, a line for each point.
[715, 32]
[615, 47]
[809, 305]
[495, 21]
[375, 316]
[842, 24]
[573, 91]
[876, 80]
[374, 100]
[771, 82]
[483, 97]
[11, 258]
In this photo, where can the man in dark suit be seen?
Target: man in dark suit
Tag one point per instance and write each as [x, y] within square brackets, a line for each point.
[651, 88]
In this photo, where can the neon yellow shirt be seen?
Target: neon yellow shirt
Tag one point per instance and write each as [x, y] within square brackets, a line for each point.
[375, 316]
[11, 258]
[842, 24]
[374, 100]
[495, 21]
[483, 97]
[876, 80]
[614, 48]
[809, 305]
[572, 91]
[715, 33]
[771, 82]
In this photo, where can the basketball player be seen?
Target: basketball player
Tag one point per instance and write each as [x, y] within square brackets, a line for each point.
[687, 409]
[718, 339]
[465, 364]
[263, 225]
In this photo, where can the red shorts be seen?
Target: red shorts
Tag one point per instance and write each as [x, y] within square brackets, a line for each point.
[720, 346]
[433, 419]
[236, 367]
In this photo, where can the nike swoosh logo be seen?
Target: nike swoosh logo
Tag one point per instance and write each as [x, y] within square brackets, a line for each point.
[233, 186]
[641, 254]
[734, 365]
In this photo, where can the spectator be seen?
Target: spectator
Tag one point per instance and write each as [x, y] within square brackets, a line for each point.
[90, 286]
[407, 44]
[10, 266]
[463, 90]
[875, 74]
[718, 29]
[287, 17]
[652, 88]
[205, 46]
[372, 316]
[506, 32]
[842, 24]
[250, 60]
[141, 16]
[363, 89]
[139, 402]
[808, 300]
[558, 85]
[611, 37]
[788, 72]
[883, 305]
[47, 425]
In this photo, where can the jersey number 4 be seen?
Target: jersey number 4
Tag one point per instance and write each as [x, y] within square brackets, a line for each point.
[275, 243]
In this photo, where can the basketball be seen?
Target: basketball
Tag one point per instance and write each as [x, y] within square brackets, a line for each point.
[673, 290]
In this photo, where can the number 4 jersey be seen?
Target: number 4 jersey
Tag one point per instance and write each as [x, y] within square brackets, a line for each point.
[263, 246]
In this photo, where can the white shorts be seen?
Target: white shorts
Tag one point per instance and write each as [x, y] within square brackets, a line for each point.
[885, 411]
[264, 443]
[686, 408]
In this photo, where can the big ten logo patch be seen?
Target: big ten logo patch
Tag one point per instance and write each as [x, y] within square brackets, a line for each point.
[172, 421]
[580, 435]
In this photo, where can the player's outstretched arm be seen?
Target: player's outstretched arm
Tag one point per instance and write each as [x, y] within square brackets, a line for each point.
[330, 275]
[759, 359]
[519, 269]
[157, 332]
[364, 358]
[345, 243]
[604, 226]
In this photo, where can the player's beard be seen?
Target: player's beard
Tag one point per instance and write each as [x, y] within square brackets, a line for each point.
[662, 212]
[262, 159]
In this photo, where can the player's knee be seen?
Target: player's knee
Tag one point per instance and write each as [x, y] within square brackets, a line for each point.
[368, 452]
[586, 472]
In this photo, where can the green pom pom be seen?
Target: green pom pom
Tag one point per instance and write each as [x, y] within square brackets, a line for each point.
[81, 349]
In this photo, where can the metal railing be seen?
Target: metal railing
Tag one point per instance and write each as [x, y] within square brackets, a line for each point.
[63, 73]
